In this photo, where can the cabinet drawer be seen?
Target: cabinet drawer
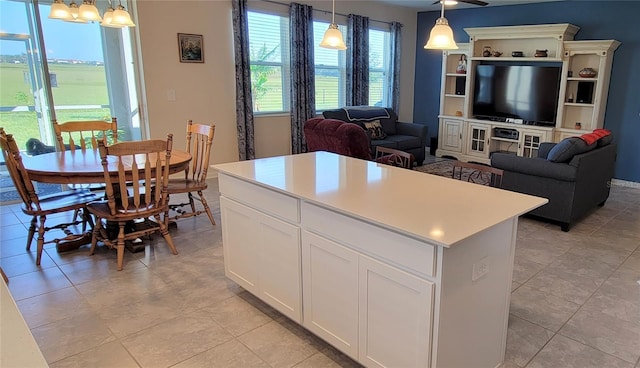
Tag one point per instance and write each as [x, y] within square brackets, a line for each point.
[402, 251]
[263, 199]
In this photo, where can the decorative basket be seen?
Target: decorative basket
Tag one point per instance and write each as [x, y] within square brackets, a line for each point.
[587, 73]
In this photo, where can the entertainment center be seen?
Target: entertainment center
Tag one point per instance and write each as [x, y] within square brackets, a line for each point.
[543, 87]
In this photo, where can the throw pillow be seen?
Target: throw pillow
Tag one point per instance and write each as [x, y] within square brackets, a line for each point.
[374, 129]
[567, 148]
[594, 136]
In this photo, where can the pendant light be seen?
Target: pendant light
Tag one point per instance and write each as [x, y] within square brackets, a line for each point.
[441, 36]
[59, 10]
[74, 14]
[89, 12]
[333, 37]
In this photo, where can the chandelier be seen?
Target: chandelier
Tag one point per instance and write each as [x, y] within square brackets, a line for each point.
[88, 12]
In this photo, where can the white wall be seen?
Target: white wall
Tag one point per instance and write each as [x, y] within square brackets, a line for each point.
[206, 92]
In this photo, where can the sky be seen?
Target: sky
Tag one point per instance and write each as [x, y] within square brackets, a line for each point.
[63, 40]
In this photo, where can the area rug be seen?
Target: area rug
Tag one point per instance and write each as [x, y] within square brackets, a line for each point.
[445, 168]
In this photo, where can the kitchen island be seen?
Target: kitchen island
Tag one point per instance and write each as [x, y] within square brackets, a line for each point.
[394, 267]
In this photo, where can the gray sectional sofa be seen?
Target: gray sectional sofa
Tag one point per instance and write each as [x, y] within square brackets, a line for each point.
[574, 186]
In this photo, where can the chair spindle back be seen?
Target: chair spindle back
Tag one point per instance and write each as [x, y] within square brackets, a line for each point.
[17, 171]
[199, 142]
[90, 130]
[149, 174]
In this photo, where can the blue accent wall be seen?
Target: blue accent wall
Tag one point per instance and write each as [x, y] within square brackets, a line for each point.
[598, 20]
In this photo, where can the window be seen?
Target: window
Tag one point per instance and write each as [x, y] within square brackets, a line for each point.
[269, 59]
[330, 68]
[379, 67]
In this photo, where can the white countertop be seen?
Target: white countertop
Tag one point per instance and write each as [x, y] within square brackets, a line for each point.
[18, 348]
[429, 207]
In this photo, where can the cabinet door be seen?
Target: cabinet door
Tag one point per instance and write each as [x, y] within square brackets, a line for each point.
[330, 281]
[278, 248]
[395, 316]
[478, 140]
[239, 224]
[530, 143]
[452, 135]
[262, 254]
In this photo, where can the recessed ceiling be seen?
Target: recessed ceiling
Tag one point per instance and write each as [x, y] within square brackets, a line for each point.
[427, 5]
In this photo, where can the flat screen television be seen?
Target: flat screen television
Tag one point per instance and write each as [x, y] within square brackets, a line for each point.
[527, 92]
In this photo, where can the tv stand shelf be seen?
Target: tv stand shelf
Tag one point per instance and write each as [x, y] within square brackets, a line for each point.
[580, 100]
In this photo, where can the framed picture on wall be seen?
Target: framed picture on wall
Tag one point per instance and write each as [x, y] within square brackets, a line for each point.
[191, 48]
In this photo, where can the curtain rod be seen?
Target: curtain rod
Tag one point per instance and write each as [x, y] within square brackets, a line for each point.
[322, 11]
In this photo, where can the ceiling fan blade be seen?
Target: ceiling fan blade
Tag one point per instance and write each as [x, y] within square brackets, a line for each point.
[474, 2]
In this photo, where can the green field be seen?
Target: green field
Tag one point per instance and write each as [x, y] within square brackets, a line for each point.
[76, 85]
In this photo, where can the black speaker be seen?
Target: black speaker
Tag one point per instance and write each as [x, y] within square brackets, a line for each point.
[460, 82]
[585, 92]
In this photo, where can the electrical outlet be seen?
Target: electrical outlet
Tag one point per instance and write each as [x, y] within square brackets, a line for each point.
[480, 268]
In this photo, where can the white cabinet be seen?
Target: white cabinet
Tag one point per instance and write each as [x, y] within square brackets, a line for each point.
[585, 97]
[581, 103]
[451, 135]
[263, 256]
[478, 140]
[395, 316]
[530, 142]
[330, 281]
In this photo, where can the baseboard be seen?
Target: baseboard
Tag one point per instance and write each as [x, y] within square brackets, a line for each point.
[624, 183]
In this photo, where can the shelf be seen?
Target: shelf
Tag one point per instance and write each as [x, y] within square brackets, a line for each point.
[504, 140]
[502, 58]
[455, 75]
[580, 79]
[452, 95]
[577, 104]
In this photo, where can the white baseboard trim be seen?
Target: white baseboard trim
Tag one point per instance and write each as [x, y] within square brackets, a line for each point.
[624, 183]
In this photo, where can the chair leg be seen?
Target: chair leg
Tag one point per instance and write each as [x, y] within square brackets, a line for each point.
[94, 235]
[40, 239]
[32, 231]
[120, 245]
[166, 213]
[164, 230]
[206, 208]
[191, 203]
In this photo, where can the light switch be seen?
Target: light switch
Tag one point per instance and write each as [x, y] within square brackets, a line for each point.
[171, 95]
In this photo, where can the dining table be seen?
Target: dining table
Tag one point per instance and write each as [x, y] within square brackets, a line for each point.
[80, 167]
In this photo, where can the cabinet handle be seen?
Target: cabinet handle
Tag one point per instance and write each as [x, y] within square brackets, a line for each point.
[461, 136]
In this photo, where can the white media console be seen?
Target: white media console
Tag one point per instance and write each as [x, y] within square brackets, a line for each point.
[464, 137]
[393, 267]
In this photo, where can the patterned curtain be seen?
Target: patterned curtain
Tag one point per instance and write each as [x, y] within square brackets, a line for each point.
[244, 105]
[394, 86]
[357, 61]
[303, 100]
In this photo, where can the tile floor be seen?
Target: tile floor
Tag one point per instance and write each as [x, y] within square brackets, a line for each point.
[575, 301]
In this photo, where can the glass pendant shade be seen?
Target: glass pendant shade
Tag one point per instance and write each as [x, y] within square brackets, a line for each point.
[59, 10]
[74, 13]
[121, 18]
[333, 39]
[89, 12]
[441, 36]
[107, 19]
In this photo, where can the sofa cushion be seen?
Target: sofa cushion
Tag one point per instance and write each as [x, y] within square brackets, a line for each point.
[605, 141]
[383, 143]
[567, 148]
[405, 142]
[374, 129]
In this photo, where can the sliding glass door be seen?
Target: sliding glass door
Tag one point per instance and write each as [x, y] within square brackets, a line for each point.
[89, 68]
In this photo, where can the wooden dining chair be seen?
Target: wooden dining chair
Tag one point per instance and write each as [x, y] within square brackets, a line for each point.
[199, 142]
[84, 134]
[39, 207]
[145, 164]
[394, 157]
[476, 173]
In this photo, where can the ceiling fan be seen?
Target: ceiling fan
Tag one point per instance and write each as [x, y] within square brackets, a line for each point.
[472, 2]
